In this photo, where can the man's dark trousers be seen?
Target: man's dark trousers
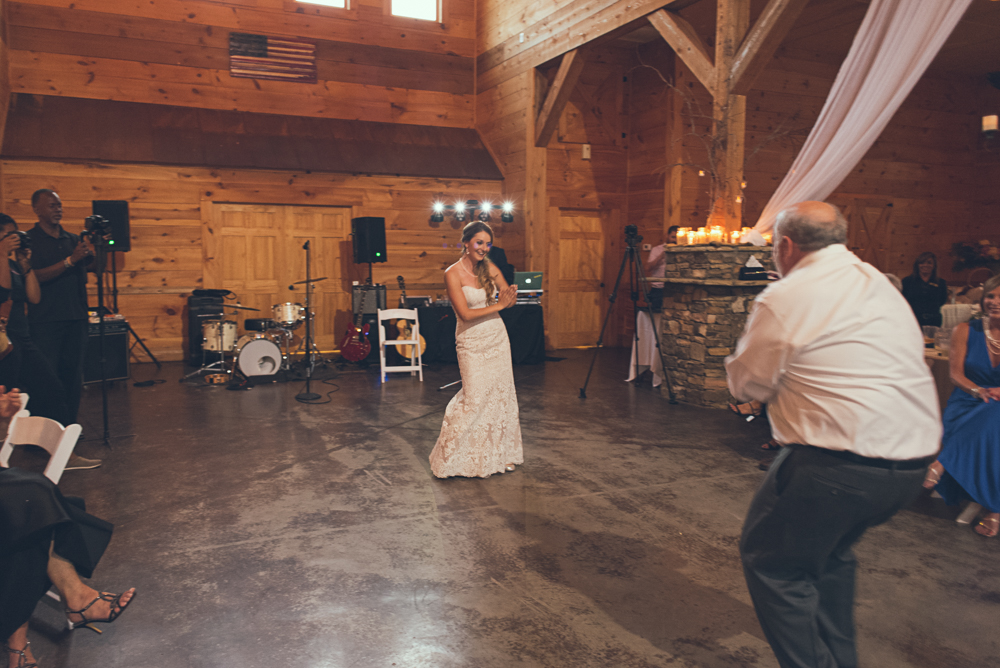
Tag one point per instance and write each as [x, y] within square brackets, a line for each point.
[63, 343]
[796, 549]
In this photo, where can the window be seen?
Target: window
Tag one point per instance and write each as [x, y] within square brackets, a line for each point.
[326, 3]
[416, 9]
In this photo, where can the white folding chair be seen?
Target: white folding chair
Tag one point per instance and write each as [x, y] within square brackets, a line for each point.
[416, 365]
[58, 441]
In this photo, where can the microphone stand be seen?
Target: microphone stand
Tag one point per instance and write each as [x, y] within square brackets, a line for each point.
[308, 395]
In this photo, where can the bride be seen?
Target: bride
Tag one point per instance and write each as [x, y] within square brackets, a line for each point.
[481, 434]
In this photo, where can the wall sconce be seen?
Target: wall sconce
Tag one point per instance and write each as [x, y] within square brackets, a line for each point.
[461, 211]
[990, 126]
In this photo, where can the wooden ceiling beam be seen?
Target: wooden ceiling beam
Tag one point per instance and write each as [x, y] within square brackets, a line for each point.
[683, 39]
[763, 40]
[557, 96]
[550, 39]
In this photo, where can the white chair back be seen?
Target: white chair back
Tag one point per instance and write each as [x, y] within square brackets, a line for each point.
[416, 365]
[57, 440]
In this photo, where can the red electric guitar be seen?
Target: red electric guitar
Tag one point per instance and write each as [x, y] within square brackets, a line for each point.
[355, 346]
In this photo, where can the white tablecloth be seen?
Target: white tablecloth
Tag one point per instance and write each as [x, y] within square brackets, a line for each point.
[648, 355]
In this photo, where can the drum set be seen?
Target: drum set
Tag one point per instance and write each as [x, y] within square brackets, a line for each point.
[265, 348]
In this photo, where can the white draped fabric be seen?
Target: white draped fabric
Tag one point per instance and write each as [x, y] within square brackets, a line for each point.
[897, 40]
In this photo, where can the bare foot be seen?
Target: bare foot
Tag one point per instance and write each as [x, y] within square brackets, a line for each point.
[100, 610]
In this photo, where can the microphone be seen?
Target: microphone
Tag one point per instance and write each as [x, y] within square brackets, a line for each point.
[291, 287]
[305, 246]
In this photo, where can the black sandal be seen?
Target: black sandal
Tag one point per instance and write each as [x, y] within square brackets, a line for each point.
[746, 411]
[22, 661]
[116, 610]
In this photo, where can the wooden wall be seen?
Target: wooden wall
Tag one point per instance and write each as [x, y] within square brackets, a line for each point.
[371, 66]
[169, 205]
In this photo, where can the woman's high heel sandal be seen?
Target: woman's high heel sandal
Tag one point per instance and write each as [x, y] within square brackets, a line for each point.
[933, 477]
[510, 468]
[22, 660]
[116, 610]
[988, 527]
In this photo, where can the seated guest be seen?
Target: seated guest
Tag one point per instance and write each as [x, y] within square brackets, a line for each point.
[970, 452]
[46, 539]
[925, 292]
[656, 267]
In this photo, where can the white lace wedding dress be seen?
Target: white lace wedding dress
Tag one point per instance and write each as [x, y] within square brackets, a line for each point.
[481, 433]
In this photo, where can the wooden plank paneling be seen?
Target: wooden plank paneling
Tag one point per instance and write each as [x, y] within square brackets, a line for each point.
[172, 237]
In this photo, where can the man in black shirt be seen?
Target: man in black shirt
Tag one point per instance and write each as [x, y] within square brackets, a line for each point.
[59, 321]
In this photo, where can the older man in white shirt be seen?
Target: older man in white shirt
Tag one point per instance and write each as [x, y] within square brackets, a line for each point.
[836, 353]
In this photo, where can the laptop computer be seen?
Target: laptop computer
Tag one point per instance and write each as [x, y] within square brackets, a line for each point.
[528, 281]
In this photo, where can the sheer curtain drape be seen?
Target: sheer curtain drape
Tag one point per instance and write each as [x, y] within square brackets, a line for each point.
[897, 40]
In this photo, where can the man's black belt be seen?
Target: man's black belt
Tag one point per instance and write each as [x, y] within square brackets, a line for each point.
[894, 464]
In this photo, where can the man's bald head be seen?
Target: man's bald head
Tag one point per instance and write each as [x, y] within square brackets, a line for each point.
[812, 225]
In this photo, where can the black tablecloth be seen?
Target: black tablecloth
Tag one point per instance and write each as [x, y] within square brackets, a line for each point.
[525, 329]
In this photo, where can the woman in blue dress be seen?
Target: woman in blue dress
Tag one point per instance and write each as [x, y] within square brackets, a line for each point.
[970, 452]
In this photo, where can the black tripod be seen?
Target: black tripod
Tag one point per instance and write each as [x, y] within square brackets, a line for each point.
[114, 306]
[96, 226]
[636, 279]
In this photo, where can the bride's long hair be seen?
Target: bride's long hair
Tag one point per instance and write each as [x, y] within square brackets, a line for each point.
[482, 269]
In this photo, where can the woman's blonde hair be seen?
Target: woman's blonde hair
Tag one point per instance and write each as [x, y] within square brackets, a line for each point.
[482, 269]
[989, 286]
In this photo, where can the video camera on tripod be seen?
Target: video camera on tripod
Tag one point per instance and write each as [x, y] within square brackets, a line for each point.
[96, 228]
[632, 236]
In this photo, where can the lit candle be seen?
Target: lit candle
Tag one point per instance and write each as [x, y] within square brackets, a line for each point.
[682, 233]
[767, 237]
[716, 234]
[990, 123]
[734, 236]
[702, 236]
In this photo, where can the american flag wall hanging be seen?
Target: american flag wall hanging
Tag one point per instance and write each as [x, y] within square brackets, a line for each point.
[275, 58]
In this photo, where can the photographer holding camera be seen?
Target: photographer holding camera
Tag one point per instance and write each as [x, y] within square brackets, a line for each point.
[58, 322]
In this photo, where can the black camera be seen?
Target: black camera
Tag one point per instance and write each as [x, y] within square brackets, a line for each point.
[632, 235]
[96, 228]
[25, 239]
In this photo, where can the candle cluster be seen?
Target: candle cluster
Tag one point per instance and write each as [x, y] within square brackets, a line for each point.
[688, 236]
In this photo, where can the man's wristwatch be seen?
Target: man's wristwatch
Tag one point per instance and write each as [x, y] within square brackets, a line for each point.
[68, 263]
[975, 391]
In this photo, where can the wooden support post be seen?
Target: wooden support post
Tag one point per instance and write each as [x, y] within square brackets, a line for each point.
[535, 195]
[673, 186]
[558, 94]
[4, 82]
[729, 111]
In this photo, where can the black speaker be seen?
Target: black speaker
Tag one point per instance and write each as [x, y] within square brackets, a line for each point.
[115, 352]
[116, 211]
[369, 239]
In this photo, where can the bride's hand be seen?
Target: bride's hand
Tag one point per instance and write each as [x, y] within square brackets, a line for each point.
[508, 296]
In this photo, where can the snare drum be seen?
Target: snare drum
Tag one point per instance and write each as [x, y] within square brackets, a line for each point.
[258, 324]
[218, 335]
[258, 355]
[288, 314]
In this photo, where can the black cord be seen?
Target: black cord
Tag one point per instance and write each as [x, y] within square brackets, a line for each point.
[336, 388]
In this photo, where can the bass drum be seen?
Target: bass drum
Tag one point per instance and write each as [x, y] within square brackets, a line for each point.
[257, 355]
[218, 335]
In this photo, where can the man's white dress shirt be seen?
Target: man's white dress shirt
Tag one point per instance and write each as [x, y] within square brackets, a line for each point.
[837, 354]
[657, 254]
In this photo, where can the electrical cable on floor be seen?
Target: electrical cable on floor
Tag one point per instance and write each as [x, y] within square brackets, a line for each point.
[336, 388]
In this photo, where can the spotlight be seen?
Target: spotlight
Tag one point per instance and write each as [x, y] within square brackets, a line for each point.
[507, 212]
[438, 215]
[460, 212]
[484, 212]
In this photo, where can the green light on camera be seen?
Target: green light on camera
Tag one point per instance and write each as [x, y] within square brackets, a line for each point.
[111, 242]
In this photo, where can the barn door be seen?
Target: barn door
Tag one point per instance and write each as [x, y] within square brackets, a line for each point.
[256, 252]
[576, 295]
[869, 231]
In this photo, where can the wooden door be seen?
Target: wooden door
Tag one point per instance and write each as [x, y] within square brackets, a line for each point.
[256, 251]
[576, 296]
[869, 230]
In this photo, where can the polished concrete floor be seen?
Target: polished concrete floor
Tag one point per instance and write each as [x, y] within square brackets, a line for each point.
[261, 532]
